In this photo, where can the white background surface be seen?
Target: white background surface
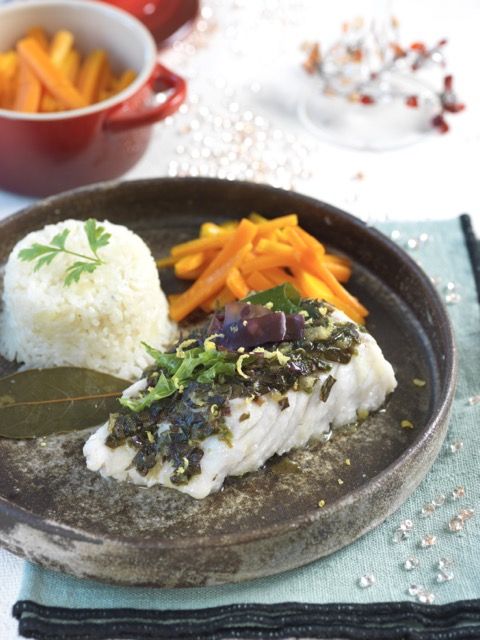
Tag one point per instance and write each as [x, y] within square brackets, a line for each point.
[251, 57]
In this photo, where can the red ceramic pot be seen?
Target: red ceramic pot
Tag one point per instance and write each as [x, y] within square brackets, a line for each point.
[164, 18]
[41, 154]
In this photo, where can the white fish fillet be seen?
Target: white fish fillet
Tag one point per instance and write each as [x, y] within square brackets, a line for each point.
[361, 385]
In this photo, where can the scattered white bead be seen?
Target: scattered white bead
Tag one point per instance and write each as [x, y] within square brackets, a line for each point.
[367, 580]
[411, 563]
[428, 540]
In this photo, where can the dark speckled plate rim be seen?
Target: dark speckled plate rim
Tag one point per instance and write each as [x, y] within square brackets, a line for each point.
[439, 411]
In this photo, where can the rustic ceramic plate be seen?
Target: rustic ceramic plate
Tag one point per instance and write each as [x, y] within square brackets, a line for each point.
[57, 513]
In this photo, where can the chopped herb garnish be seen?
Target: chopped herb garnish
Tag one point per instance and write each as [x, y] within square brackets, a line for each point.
[326, 388]
[243, 417]
[45, 254]
[418, 382]
[283, 403]
[406, 424]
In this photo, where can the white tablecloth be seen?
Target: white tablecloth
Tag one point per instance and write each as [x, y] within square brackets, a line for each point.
[247, 59]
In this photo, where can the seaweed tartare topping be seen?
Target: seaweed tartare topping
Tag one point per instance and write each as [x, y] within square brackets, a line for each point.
[285, 343]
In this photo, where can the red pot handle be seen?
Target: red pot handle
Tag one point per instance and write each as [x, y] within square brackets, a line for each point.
[163, 78]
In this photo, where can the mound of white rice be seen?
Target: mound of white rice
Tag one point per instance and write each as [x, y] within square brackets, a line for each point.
[98, 322]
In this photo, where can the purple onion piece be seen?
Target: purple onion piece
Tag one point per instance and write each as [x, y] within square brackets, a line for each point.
[238, 311]
[255, 331]
[295, 327]
[216, 324]
[253, 325]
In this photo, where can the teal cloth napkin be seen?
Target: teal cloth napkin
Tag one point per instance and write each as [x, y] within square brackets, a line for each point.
[335, 579]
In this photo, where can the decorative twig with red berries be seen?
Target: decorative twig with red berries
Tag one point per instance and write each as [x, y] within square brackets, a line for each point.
[354, 66]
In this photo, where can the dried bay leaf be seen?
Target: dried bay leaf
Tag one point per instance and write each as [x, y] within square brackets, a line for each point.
[41, 402]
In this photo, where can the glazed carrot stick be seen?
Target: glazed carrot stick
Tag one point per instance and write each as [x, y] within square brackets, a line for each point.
[8, 62]
[218, 301]
[60, 47]
[188, 267]
[105, 82]
[8, 78]
[258, 281]
[282, 221]
[295, 239]
[348, 310]
[341, 272]
[48, 104]
[257, 218]
[173, 296]
[309, 285]
[236, 284]
[313, 287]
[274, 248]
[278, 275]
[201, 244]
[69, 67]
[38, 34]
[332, 258]
[124, 81]
[8, 92]
[260, 263]
[169, 261]
[209, 229]
[49, 75]
[243, 235]
[205, 287]
[310, 240]
[29, 91]
[89, 75]
[313, 264]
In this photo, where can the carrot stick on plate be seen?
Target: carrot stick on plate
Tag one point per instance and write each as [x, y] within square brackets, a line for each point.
[236, 283]
[258, 281]
[205, 287]
[188, 266]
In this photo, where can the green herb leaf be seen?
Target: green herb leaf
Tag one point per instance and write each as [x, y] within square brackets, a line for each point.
[227, 369]
[97, 238]
[283, 298]
[75, 270]
[35, 251]
[45, 260]
[40, 402]
[198, 364]
[164, 388]
[166, 361]
[60, 238]
[44, 254]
